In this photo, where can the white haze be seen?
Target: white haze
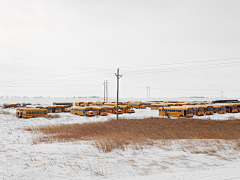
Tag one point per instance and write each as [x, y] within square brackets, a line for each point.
[62, 48]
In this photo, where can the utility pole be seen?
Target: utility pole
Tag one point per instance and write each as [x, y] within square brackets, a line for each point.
[222, 95]
[104, 85]
[118, 77]
[106, 91]
[149, 91]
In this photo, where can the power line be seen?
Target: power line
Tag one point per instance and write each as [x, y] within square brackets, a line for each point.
[55, 91]
[68, 80]
[173, 89]
[53, 86]
[133, 72]
[47, 77]
[64, 75]
[179, 69]
[154, 65]
[121, 86]
[44, 83]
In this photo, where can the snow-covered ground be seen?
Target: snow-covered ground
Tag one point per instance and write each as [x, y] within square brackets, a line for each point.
[172, 159]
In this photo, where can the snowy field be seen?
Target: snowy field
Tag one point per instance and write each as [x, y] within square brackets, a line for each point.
[173, 159]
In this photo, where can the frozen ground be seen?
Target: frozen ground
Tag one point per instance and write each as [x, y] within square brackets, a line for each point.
[178, 159]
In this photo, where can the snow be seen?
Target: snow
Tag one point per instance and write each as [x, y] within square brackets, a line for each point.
[20, 158]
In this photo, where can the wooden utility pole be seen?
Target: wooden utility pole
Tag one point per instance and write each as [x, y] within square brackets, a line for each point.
[118, 77]
[222, 94]
[149, 91]
[104, 89]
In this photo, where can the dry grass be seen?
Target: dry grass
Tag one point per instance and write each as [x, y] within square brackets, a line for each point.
[114, 134]
[232, 118]
[5, 112]
[51, 116]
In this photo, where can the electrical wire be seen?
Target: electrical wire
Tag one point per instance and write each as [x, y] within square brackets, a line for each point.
[181, 69]
[53, 92]
[19, 80]
[57, 76]
[173, 89]
[44, 83]
[169, 64]
[64, 80]
[77, 85]
[133, 72]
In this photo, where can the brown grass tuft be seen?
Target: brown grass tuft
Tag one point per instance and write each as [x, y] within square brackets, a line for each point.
[139, 133]
[232, 118]
[51, 116]
[5, 112]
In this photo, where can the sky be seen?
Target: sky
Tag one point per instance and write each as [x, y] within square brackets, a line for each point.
[67, 48]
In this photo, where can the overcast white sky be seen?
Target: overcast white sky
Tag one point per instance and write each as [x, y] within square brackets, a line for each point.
[69, 47]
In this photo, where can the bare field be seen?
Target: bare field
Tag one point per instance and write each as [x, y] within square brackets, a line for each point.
[4, 112]
[114, 134]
